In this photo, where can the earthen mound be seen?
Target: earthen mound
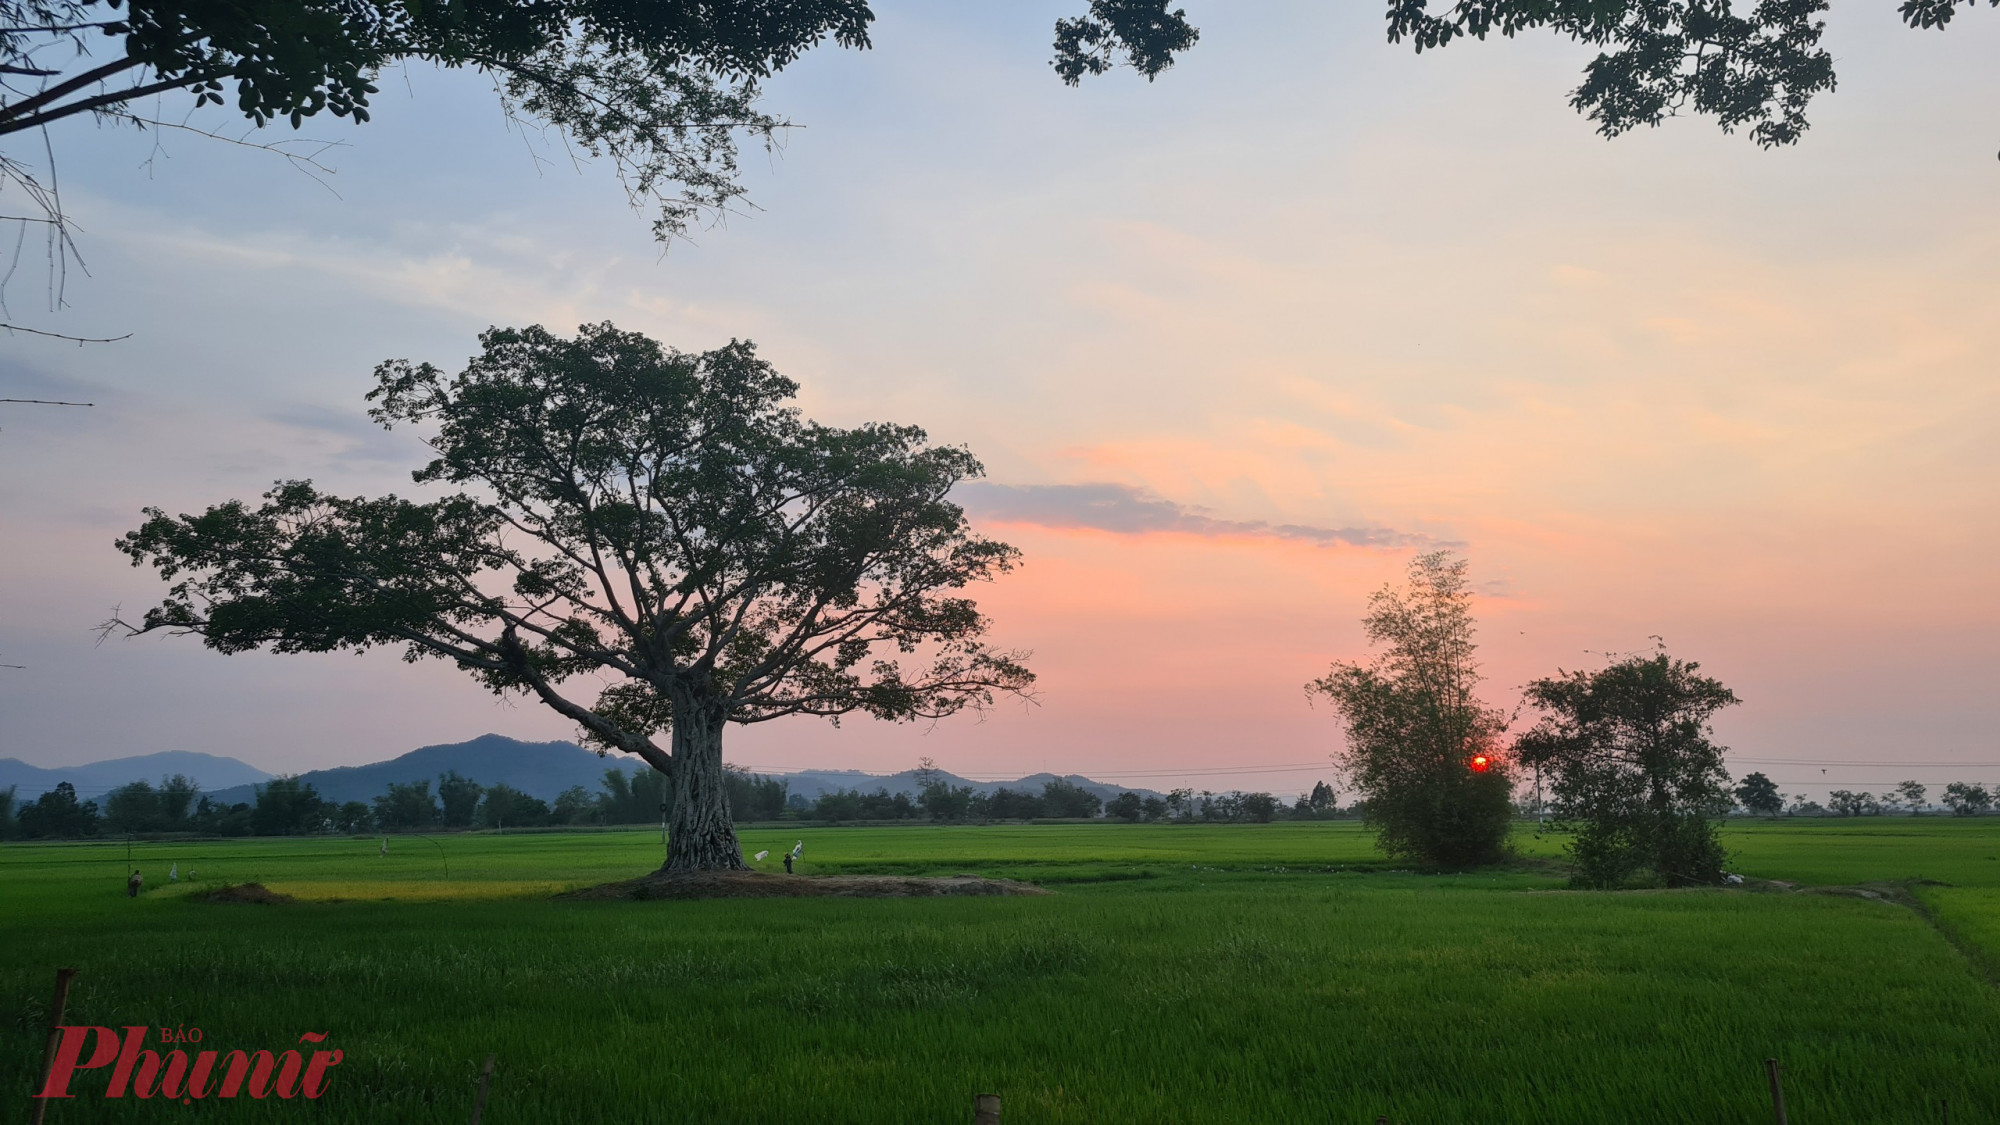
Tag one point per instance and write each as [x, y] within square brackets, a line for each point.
[256, 893]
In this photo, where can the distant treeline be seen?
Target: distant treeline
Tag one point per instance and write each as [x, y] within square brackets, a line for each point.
[945, 803]
[288, 806]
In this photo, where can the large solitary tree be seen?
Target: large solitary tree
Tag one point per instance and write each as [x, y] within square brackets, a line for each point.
[652, 543]
[1422, 750]
[1636, 775]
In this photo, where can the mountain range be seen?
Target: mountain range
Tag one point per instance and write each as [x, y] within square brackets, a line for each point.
[98, 778]
[812, 783]
[541, 769]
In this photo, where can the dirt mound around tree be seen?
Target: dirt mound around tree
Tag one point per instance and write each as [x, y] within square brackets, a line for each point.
[256, 893]
[763, 884]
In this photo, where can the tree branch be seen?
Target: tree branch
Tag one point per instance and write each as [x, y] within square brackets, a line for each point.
[61, 336]
[10, 124]
[64, 89]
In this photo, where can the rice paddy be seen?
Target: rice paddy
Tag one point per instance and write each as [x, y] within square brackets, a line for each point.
[1279, 973]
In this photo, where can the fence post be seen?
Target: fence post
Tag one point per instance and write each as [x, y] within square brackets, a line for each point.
[479, 1103]
[1777, 1091]
[986, 1109]
[56, 1008]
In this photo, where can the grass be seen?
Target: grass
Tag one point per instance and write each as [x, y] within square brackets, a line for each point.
[1275, 973]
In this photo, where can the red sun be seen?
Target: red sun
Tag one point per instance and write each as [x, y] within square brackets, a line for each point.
[1480, 762]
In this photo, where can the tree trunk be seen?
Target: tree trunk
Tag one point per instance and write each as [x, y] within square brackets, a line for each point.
[701, 835]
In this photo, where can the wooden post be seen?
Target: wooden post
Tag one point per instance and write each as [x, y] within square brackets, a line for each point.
[56, 1009]
[1777, 1091]
[479, 1103]
[986, 1109]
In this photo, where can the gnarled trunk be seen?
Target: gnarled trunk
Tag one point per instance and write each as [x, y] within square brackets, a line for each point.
[701, 836]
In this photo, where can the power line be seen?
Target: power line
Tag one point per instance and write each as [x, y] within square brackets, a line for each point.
[1196, 771]
[1848, 761]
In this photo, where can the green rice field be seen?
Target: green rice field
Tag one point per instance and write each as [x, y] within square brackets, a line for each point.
[1226, 973]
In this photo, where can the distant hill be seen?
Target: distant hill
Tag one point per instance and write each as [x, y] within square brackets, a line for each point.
[540, 769]
[95, 779]
[812, 783]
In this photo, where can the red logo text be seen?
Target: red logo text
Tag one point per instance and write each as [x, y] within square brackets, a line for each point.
[172, 1075]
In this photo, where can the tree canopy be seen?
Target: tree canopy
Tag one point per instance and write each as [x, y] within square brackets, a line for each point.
[1636, 775]
[662, 519]
[1754, 66]
[662, 89]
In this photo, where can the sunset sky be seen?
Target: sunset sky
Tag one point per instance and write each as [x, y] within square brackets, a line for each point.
[1232, 345]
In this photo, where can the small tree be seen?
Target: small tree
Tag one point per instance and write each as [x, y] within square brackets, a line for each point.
[664, 519]
[353, 818]
[1258, 808]
[1759, 794]
[755, 797]
[287, 806]
[458, 798]
[407, 804]
[942, 801]
[1847, 802]
[1635, 773]
[1421, 749]
[1007, 804]
[508, 807]
[574, 806]
[1126, 806]
[1067, 799]
[1963, 798]
[1910, 795]
[634, 798]
[133, 807]
[177, 797]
